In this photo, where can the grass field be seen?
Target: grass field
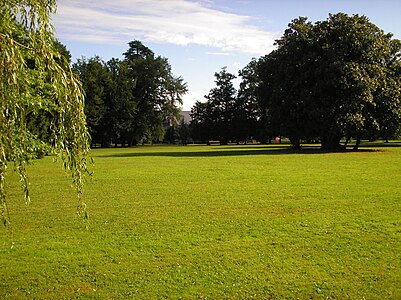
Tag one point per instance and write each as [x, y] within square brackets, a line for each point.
[219, 222]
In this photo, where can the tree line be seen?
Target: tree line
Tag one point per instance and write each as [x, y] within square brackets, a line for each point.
[229, 115]
[331, 81]
[130, 101]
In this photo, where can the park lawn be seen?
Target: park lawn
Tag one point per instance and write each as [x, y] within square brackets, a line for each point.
[219, 222]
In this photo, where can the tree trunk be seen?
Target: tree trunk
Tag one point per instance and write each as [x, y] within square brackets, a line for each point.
[332, 146]
[346, 143]
[331, 143]
[132, 141]
[296, 143]
[104, 143]
[358, 142]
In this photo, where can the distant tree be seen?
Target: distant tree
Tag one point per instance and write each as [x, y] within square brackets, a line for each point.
[222, 100]
[285, 83]
[172, 134]
[130, 101]
[96, 82]
[157, 92]
[247, 121]
[122, 105]
[327, 80]
[202, 124]
[34, 77]
[65, 56]
[184, 133]
[229, 115]
[388, 108]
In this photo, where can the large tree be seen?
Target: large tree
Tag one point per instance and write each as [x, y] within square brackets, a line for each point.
[228, 114]
[130, 101]
[201, 126]
[33, 79]
[122, 104]
[330, 80]
[222, 99]
[157, 91]
[248, 120]
[96, 81]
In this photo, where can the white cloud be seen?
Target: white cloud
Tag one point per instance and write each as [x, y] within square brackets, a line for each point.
[180, 22]
[218, 53]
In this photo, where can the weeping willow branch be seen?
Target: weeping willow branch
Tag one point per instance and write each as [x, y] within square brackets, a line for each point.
[47, 84]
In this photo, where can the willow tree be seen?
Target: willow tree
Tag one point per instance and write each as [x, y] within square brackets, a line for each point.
[35, 78]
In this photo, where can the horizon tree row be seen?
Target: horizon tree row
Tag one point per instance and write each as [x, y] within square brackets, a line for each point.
[332, 80]
[130, 101]
[228, 114]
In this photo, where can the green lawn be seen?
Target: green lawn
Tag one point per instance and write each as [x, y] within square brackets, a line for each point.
[217, 222]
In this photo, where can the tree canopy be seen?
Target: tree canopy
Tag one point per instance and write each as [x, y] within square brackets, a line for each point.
[228, 114]
[35, 79]
[332, 79]
[130, 101]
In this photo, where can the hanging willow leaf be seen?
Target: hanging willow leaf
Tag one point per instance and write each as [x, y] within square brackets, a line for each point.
[34, 79]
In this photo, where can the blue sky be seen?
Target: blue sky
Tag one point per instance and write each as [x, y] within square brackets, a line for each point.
[200, 37]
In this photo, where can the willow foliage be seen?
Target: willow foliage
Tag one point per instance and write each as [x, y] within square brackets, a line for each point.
[35, 79]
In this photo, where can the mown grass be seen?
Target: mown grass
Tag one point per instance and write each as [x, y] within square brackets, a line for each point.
[216, 222]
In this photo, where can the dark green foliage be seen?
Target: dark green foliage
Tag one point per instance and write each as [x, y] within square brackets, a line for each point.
[202, 122]
[228, 115]
[222, 100]
[130, 101]
[332, 79]
[96, 82]
[247, 117]
[335, 79]
[122, 104]
[184, 133]
[157, 93]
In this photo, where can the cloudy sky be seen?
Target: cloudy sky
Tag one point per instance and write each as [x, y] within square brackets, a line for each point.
[199, 37]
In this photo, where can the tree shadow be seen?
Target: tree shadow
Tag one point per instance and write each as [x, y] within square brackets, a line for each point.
[228, 151]
[392, 144]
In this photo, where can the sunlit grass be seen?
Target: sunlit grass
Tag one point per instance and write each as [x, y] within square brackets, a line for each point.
[210, 222]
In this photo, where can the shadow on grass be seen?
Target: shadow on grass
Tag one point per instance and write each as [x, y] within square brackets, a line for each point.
[216, 151]
[381, 145]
